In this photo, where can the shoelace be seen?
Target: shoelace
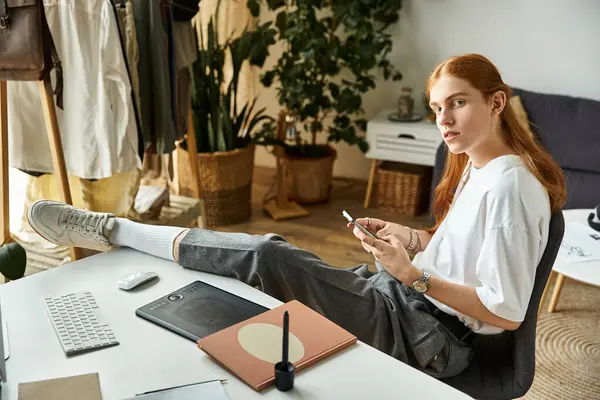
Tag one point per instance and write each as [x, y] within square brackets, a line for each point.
[84, 222]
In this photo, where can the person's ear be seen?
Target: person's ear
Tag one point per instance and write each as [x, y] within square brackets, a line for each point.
[498, 102]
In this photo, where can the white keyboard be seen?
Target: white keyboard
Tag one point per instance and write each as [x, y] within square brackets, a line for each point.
[78, 323]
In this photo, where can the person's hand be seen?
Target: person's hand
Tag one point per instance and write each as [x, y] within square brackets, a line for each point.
[392, 255]
[380, 229]
[373, 225]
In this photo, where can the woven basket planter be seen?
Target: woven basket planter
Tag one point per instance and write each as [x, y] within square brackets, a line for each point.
[225, 183]
[403, 188]
[311, 177]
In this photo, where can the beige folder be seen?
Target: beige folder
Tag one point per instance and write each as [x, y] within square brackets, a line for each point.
[68, 388]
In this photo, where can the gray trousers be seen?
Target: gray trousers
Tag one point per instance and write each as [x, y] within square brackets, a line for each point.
[378, 309]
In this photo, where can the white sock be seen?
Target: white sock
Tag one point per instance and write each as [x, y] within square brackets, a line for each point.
[156, 240]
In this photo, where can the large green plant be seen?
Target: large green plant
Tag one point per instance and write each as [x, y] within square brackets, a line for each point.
[220, 123]
[333, 50]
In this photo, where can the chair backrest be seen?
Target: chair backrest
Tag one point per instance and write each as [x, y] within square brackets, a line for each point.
[504, 365]
[440, 160]
[524, 349]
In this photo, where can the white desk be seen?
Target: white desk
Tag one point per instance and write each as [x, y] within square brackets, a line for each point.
[150, 357]
[587, 272]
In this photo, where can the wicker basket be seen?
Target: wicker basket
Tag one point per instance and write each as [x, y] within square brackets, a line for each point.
[225, 183]
[403, 187]
[311, 177]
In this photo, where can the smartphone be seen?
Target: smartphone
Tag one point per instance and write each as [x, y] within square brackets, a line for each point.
[356, 224]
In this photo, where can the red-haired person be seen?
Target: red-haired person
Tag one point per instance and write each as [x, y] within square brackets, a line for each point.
[473, 272]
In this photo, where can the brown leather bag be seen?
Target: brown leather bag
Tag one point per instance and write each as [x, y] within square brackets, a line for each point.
[27, 51]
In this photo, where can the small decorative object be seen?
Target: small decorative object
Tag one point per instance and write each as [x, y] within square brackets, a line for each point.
[292, 137]
[406, 108]
[406, 104]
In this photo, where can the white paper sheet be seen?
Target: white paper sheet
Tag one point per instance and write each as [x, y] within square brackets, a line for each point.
[212, 390]
[580, 243]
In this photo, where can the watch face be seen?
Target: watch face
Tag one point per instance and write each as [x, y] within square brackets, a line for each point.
[420, 287]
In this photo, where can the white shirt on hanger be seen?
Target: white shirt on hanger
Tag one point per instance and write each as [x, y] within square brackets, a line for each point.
[97, 125]
[492, 239]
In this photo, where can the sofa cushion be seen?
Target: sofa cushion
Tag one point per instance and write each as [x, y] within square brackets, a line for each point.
[583, 189]
[569, 127]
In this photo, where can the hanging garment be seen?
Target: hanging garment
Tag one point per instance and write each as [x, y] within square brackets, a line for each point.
[126, 23]
[168, 18]
[186, 47]
[97, 126]
[184, 10]
[154, 74]
[186, 53]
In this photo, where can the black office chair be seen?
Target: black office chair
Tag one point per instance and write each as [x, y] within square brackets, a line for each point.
[504, 365]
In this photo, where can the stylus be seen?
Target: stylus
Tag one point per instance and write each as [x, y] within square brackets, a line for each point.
[180, 386]
[286, 334]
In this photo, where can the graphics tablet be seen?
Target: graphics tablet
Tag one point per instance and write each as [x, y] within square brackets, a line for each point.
[198, 310]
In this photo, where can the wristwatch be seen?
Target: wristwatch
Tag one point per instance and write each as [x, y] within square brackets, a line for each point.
[422, 284]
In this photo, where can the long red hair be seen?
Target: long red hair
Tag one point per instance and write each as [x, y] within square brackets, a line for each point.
[484, 76]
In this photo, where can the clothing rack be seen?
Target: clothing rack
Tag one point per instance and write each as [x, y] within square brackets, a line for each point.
[58, 160]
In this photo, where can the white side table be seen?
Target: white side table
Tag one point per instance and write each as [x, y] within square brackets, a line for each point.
[407, 142]
[587, 272]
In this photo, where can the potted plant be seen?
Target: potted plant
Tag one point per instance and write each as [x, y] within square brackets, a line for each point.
[333, 49]
[223, 128]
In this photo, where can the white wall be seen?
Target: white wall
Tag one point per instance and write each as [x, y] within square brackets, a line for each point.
[542, 45]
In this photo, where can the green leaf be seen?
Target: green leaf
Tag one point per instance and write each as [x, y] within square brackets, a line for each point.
[316, 126]
[240, 120]
[267, 78]
[334, 89]
[248, 115]
[227, 128]
[254, 7]
[363, 145]
[212, 138]
[342, 121]
[257, 119]
[275, 4]
[348, 101]
[281, 23]
[362, 124]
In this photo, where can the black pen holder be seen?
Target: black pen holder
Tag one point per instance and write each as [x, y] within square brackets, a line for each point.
[284, 376]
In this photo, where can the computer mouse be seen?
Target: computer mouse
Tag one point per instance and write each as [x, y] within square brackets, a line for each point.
[134, 280]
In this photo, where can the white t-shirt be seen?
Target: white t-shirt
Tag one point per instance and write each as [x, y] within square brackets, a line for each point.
[492, 239]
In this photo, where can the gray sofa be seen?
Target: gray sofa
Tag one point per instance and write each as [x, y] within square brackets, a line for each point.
[569, 127]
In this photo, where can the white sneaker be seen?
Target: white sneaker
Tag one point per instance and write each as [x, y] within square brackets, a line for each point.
[63, 224]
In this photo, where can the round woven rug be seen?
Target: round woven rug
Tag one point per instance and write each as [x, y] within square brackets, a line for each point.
[568, 346]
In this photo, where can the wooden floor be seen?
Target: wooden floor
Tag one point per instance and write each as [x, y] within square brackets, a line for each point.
[324, 231]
